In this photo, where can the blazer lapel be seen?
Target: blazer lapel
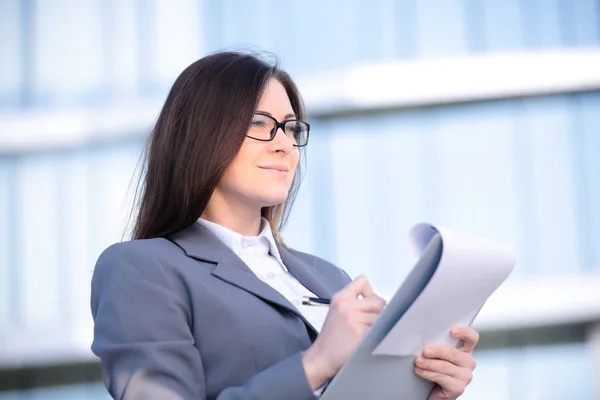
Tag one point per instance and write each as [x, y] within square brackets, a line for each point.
[199, 243]
[304, 274]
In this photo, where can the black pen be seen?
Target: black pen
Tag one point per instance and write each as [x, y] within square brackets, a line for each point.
[315, 301]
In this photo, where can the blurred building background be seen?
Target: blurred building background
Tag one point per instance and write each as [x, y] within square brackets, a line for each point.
[481, 115]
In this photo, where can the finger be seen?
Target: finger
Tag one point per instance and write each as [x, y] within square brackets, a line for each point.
[452, 386]
[450, 354]
[467, 335]
[373, 304]
[366, 319]
[359, 286]
[444, 367]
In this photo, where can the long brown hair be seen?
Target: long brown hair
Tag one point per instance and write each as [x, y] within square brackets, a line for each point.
[198, 133]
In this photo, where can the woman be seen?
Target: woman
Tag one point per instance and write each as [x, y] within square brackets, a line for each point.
[204, 303]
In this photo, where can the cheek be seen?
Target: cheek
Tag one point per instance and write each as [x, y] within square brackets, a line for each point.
[238, 173]
[237, 176]
[243, 177]
[233, 179]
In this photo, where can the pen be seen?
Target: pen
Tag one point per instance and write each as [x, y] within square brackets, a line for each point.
[315, 301]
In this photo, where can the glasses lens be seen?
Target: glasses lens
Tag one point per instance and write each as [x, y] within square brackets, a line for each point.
[298, 131]
[261, 127]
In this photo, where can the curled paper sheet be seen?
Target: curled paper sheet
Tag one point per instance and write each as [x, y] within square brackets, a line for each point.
[470, 269]
[451, 280]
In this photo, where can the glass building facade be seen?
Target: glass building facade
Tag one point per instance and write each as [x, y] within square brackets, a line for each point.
[81, 83]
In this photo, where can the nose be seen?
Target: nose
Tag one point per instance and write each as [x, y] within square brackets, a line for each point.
[282, 142]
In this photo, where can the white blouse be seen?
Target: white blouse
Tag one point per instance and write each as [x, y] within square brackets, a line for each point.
[262, 256]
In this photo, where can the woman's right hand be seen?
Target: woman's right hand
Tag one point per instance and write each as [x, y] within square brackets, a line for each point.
[348, 320]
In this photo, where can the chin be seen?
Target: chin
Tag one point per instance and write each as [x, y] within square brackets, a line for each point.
[273, 202]
[273, 198]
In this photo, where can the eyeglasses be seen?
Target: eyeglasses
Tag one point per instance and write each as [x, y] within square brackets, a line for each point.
[264, 128]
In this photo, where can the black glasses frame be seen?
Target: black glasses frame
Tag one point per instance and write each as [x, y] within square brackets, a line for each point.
[281, 125]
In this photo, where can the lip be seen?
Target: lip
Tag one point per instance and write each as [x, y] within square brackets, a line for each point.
[275, 167]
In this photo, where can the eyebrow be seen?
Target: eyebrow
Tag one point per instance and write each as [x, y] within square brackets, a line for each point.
[287, 116]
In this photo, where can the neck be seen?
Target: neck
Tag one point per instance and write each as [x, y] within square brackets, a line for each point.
[237, 217]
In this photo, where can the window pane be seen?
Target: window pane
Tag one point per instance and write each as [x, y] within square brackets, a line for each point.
[11, 48]
[38, 219]
[68, 54]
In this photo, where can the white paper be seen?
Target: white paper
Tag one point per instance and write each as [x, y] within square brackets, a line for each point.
[470, 270]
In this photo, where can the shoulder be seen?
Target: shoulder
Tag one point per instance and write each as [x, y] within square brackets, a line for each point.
[136, 272]
[144, 248]
[321, 265]
[144, 257]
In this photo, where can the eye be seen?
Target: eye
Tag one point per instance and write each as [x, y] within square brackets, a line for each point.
[292, 128]
[295, 129]
[258, 123]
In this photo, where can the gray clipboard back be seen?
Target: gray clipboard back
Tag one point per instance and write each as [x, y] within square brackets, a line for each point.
[368, 376]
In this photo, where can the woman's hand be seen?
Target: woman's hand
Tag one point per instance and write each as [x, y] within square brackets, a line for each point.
[348, 320]
[451, 368]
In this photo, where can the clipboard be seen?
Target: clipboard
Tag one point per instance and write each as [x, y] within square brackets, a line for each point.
[382, 366]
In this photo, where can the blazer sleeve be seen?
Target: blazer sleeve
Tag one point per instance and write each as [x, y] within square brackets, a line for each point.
[143, 338]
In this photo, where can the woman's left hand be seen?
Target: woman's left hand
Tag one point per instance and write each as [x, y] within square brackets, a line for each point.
[451, 368]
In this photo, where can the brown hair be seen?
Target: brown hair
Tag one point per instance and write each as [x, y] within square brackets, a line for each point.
[198, 133]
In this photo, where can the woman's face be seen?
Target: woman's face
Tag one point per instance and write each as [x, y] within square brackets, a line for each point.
[262, 172]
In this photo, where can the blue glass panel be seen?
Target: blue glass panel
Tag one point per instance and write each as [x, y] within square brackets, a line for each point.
[475, 163]
[146, 36]
[528, 243]
[291, 45]
[6, 263]
[375, 24]
[68, 57]
[38, 245]
[229, 22]
[548, 123]
[76, 262]
[339, 46]
[495, 369]
[475, 26]
[351, 197]
[111, 188]
[583, 22]
[406, 29]
[590, 124]
[212, 25]
[544, 23]
[558, 372]
[253, 25]
[502, 25]
[122, 63]
[11, 52]
[441, 28]
[375, 195]
[174, 49]
[303, 231]
[323, 210]
[396, 159]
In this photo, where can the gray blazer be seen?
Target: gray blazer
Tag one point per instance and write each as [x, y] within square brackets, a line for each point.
[185, 318]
